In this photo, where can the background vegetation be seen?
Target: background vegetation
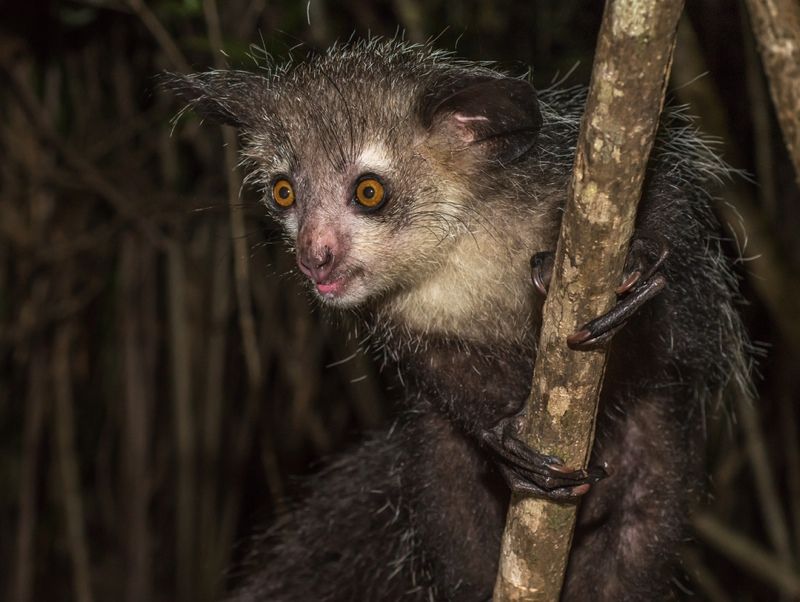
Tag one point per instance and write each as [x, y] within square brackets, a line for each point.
[162, 375]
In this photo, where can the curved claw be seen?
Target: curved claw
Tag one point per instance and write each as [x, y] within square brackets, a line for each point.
[602, 329]
[641, 282]
[636, 268]
[629, 282]
[663, 250]
[640, 272]
[542, 270]
[531, 472]
[524, 486]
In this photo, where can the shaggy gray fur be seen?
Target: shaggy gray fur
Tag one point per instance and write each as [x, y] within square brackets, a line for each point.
[439, 275]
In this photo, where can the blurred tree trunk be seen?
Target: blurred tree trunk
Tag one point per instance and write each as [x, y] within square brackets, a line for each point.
[68, 464]
[35, 407]
[137, 300]
[777, 27]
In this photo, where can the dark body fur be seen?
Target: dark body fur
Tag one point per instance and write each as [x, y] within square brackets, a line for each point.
[416, 513]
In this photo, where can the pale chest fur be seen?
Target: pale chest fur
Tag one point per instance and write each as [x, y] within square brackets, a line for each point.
[482, 291]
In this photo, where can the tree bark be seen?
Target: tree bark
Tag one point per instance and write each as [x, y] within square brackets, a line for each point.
[632, 62]
[776, 24]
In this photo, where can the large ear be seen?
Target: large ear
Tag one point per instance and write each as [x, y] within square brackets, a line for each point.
[236, 98]
[499, 113]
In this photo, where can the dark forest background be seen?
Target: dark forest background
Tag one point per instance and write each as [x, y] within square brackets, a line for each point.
[163, 378]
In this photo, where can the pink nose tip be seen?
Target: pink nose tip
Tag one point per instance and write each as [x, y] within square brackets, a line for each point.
[317, 264]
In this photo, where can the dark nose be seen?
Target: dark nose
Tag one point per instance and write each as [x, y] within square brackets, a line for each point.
[316, 263]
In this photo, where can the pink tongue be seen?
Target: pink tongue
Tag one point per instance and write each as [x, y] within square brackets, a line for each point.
[327, 288]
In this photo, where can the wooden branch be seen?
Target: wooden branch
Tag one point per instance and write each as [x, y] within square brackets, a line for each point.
[776, 24]
[631, 68]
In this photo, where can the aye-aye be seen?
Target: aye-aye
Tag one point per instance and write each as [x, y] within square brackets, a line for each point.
[416, 188]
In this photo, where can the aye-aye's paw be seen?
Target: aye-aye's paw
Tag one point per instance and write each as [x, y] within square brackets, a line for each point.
[641, 281]
[529, 472]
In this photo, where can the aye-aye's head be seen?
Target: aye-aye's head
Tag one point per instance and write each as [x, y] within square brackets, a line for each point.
[376, 158]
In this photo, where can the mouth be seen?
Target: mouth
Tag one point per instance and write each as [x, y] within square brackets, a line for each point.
[332, 288]
[342, 289]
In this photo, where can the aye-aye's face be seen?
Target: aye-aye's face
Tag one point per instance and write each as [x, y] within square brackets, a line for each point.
[370, 158]
[365, 202]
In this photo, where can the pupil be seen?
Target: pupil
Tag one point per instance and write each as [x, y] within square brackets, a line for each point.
[283, 192]
[369, 192]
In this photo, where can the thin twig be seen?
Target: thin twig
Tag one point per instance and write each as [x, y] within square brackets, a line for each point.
[118, 200]
[791, 445]
[28, 492]
[768, 496]
[748, 554]
[64, 432]
[181, 354]
[160, 33]
[238, 229]
[135, 269]
[704, 577]
[213, 422]
[247, 325]
[31, 323]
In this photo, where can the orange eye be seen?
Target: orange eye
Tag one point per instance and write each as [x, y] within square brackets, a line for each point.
[369, 193]
[283, 193]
